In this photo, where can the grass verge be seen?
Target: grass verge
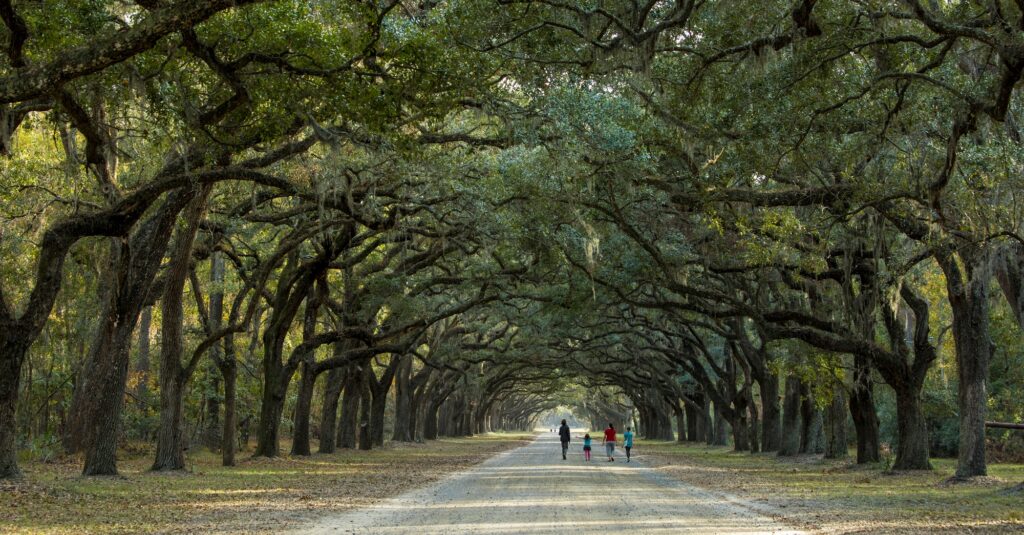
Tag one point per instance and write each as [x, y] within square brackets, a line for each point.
[257, 496]
[838, 496]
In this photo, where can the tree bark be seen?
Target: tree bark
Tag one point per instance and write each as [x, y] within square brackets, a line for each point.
[365, 409]
[1009, 272]
[812, 433]
[271, 408]
[862, 410]
[430, 419]
[705, 425]
[403, 402]
[278, 374]
[912, 449]
[329, 410]
[754, 422]
[211, 436]
[170, 443]
[99, 396]
[349, 424]
[790, 444]
[170, 446]
[379, 389]
[378, 406]
[142, 364]
[740, 432]
[691, 423]
[771, 422]
[303, 406]
[12, 353]
[968, 298]
[218, 353]
[719, 437]
[680, 424]
[835, 425]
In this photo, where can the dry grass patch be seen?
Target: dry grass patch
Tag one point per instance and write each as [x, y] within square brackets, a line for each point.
[257, 496]
[841, 497]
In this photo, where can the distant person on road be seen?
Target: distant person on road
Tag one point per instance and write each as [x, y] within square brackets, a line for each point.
[609, 442]
[627, 441]
[586, 446]
[563, 434]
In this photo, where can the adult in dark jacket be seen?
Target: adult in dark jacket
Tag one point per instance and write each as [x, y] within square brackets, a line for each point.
[563, 434]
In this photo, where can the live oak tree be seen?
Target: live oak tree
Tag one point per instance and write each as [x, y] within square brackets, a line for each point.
[703, 216]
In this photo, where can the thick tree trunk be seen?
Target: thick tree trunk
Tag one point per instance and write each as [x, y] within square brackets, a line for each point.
[211, 436]
[1009, 272]
[348, 425]
[170, 441]
[706, 426]
[754, 422]
[12, 354]
[303, 407]
[720, 435]
[277, 374]
[170, 446]
[329, 410]
[105, 426]
[666, 417]
[862, 410]
[99, 396]
[430, 420]
[912, 449]
[740, 434]
[812, 430]
[771, 422]
[379, 392]
[100, 412]
[691, 423]
[968, 299]
[790, 444]
[416, 415]
[365, 410]
[835, 425]
[271, 408]
[88, 380]
[467, 421]
[403, 402]
[680, 424]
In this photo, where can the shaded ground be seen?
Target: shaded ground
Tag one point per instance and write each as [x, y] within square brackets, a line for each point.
[531, 490]
[258, 496]
[841, 497]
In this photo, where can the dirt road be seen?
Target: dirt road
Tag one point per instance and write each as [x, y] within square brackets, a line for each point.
[531, 490]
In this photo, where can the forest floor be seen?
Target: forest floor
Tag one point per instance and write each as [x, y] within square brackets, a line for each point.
[257, 496]
[828, 496]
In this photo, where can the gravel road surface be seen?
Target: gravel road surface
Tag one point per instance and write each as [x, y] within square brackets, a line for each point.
[531, 490]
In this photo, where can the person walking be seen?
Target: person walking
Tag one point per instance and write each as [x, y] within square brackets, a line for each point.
[609, 442]
[586, 447]
[627, 441]
[563, 434]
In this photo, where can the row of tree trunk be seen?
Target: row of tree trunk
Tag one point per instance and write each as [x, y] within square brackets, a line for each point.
[799, 425]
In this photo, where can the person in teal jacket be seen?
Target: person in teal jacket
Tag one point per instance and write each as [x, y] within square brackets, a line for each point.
[586, 446]
[627, 441]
